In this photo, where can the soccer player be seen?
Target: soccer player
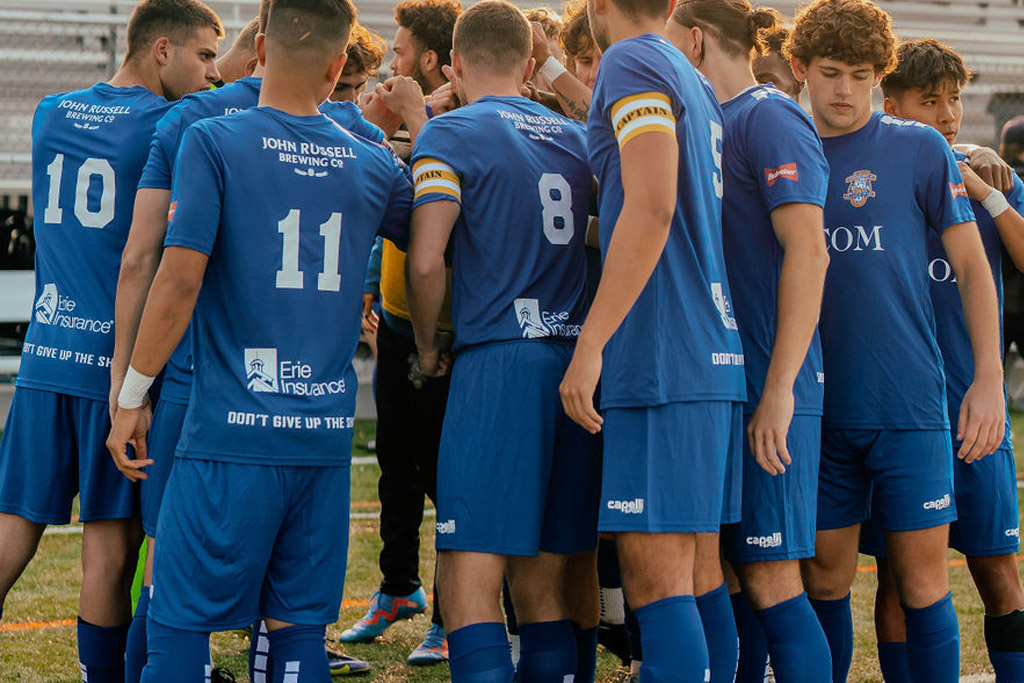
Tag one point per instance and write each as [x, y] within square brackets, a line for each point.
[507, 181]
[365, 53]
[773, 67]
[274, 423]
[885, 429]
[926, 87]
[88, 149]
[774, 191]
[670, 412]
[408, 417]
[240, 60]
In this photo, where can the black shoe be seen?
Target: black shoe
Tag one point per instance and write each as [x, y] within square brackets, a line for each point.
[345, 665]
[614, 639]
[221, 675]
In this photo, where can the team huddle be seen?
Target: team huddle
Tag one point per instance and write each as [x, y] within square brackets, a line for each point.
[787, 352]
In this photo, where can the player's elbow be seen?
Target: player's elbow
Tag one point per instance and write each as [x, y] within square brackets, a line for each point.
[420, 266]
[137, 263]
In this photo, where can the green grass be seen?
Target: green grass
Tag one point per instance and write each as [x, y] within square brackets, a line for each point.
[49, 591]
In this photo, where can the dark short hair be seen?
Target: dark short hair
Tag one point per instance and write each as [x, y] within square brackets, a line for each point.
[318, 25]
[925, 65]
[246, 38]
[849, 31]
[575, 35]
[365, 50]
[643, 8]
[736, 24]
[495, 35]
[431, 23]
[176, 20]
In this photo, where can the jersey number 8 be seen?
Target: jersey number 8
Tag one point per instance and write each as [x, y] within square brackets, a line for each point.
[556, 206]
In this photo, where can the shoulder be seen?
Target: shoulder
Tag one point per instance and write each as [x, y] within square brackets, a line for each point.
[905, 129]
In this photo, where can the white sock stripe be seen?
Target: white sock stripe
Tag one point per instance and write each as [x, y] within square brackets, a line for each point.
[291, 672]
[85, 672]
[263, 645]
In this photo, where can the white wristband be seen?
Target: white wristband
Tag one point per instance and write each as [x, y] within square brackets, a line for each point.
[551, 69]
[995, 203]
[134, 389]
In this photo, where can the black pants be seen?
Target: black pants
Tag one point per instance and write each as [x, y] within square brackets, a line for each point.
[408, 436]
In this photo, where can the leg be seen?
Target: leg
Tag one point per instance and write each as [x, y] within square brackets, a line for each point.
[135, 647]
[828, 577]
[890, 627]
[547, 641]
[998, 582]
[583, 605]
[19, 539]
[177, 656]
[657, 575]
[715, 609]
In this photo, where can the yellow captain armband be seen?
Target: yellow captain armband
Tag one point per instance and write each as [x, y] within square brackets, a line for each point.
[432, 175]
[649, 112]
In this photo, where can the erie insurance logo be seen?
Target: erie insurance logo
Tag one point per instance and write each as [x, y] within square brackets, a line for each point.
[859, 189]
[261, 370]
[46, 304]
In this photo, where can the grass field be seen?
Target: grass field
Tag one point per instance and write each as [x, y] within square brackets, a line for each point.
[37, 638]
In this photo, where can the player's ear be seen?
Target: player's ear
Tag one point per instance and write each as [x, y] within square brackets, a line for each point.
[799, 69]
[162, 49]
[457, 64]
[261, 49]
[250, 66]
[336, 66]
[428, 61]
[531, 63]
[878, 79]
[599, 6]
[890, 106]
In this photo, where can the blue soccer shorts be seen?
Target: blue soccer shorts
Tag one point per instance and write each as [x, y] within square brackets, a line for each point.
[665, 466]
[240, 541]
[515, 476]
[903, 479]
[54, 447]
[161, 444]
[986, 505]
[779, 513]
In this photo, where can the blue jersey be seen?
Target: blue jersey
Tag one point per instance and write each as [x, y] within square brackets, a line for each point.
[88, 150]
[892, 183]
[679, 341]
[234, 97]
[519, 173]
[772, 156]
[950, 324]
[278, 317]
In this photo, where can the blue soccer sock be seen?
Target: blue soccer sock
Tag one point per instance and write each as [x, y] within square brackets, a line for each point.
[260, 664]
[719, 633]
[135, 648]
[479, 653]
[586, 653]
[101, 652]
[892, 660]
[547, 651]
[673, 639]
[176, 656]
[933, 642]
[753, 659]
[837, 623]
[299, 656]
[796, 643]
[1004, 636]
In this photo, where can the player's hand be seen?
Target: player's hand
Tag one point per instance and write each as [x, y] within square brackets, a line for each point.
[982, 422]
[991, 168]
[130, 427]
[376, 112]
[445, 98]
[579, 385]
[403, 96]
[529, 91]
[768, 428]
[976, 187]
[370, 319]
[434, 362]
[541, 49]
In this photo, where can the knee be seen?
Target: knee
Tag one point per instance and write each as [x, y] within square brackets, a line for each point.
[825, 582]
[998, 583]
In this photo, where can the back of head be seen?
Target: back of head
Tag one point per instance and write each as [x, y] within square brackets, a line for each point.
[309, 33]
[649, 9]
[493, 35]
[736, 25]
[1011, 142]
[431, 23]
[365, 50]
[176, 20]
[925, 65]
[245, 41]
[853, 32]
[575, 35]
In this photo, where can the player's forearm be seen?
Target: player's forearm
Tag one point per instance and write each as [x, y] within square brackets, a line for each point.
[133, 285]
[801, 283]
[981, 312]
[425, 288]
[633, 253]
[168, 311]
[573, 96]
[1010, 225]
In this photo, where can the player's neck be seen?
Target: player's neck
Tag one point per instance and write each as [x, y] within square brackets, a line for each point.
[479, 85]
[132, 74]
[729, 77]
[624, 27]
[288, 92]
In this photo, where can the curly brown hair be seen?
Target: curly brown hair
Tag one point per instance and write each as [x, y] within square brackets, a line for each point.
[925, 65]
[365, 50]
[548, 19]
[738, 25]
[575, 36]
[431, 23]
[848, 31]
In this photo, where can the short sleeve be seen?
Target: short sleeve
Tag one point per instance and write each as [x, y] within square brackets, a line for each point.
[434, 176]
[636, 99]
[1016, 195]
[197, 194]
[939, 187]
[371, 132]
[159, 169]
[785, 154]
[395, 223]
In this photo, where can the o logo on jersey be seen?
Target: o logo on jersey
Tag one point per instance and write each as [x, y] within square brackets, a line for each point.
[859, 190]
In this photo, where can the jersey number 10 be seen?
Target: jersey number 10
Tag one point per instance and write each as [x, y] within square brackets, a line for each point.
[90, 168]
[290, 277]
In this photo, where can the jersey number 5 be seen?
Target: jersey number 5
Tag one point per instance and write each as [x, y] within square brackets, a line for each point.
[290, 277]
[100, 168]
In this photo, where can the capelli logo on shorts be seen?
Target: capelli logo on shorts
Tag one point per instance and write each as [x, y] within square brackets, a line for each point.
[773, 541]
[1014, 532]
[446, 527]
[940, 504]
[627, 507]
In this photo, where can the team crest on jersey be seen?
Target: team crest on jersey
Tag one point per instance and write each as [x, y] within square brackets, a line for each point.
[859, 190]
[958, 190]
[46, 304]
[261, 370]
